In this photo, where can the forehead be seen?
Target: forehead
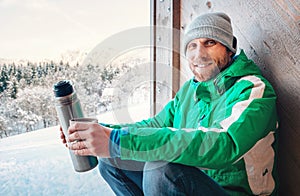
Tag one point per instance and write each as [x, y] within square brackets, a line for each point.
[202, 40]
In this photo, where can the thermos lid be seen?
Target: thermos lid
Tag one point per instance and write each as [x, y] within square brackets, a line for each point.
[63, 88]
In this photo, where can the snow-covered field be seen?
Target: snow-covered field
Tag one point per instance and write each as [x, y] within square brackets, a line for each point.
[37, 163]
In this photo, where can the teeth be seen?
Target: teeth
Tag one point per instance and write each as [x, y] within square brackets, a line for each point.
[200, 66]
[203, 65]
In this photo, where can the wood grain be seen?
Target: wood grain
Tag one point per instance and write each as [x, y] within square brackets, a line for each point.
[163, 45]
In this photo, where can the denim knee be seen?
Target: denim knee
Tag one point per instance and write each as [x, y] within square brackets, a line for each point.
[161, 178]
[122, 182]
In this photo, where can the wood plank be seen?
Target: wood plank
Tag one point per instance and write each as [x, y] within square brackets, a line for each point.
[163, 44]
[176, 25]
[289, 158]
[153, 38]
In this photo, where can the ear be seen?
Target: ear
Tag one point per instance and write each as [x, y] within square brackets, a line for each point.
[231, 54]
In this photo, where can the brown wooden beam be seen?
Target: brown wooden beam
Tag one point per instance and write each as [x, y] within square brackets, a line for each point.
[176, 24]
[153, 57]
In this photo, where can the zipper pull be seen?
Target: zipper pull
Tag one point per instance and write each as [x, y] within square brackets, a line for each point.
[201, 118]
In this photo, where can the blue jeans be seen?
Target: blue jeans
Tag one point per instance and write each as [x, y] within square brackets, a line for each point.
[156, 178]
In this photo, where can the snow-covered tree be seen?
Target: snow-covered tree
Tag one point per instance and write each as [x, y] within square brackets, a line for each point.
[27, 100]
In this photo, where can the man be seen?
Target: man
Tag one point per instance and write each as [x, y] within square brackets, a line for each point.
[216, 137]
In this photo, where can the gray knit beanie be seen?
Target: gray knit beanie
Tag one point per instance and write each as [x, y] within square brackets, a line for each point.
[216, 26]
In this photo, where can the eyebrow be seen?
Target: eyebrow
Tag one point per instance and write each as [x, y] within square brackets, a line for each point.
[209, 39]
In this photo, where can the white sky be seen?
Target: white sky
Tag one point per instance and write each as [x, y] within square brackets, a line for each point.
[39, 29]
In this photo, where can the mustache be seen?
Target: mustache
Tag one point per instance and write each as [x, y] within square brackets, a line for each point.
[202, 61]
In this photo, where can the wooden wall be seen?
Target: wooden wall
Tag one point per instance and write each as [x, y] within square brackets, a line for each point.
[269, 32]
[162, 56]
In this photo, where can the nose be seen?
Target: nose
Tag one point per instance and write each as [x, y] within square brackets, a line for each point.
[201, 52]
[200, 55]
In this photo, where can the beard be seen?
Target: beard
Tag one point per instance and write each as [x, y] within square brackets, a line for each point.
[205, 69]
[205, 72]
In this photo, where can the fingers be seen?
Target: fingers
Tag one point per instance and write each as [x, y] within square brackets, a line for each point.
[79, 145]
[62, 136]
[80, 131]
[78, 126]
[76, 139]
[78, 135]
[80, 148]
[83, 152]
[88, 139]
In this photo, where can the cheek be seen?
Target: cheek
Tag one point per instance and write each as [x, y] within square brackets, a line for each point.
[190, 60]
[221, 59]
[191, 67]
[190, 56]
[218, 61]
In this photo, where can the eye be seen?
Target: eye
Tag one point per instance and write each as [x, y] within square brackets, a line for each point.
[210, 42]
[192, 45]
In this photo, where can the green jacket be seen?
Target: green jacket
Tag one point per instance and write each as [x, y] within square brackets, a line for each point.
[225, 126]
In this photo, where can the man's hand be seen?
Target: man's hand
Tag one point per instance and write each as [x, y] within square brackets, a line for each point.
[62, 136]
[89, 139]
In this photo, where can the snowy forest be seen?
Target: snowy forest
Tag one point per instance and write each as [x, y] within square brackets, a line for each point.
[27, 99]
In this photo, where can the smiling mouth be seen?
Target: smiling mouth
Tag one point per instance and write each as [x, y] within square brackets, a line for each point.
[202, 65]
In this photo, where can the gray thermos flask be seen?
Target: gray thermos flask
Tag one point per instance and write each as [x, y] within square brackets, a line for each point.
[68, 107]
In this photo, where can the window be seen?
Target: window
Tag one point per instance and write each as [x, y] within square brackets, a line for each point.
[97, 45]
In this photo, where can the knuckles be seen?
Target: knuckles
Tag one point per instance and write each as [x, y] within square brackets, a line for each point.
[76, 135]
[76, 126]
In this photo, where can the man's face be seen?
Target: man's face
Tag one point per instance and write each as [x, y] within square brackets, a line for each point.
[206, 58]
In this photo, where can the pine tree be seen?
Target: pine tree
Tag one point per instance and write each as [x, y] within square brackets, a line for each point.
[4, 79]
[14, 90]
[2, 128]
[18, 75]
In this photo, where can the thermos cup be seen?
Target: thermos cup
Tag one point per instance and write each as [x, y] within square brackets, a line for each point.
[68, 107]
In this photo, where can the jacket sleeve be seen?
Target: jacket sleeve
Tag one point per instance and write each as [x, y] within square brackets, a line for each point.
[251, 116]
